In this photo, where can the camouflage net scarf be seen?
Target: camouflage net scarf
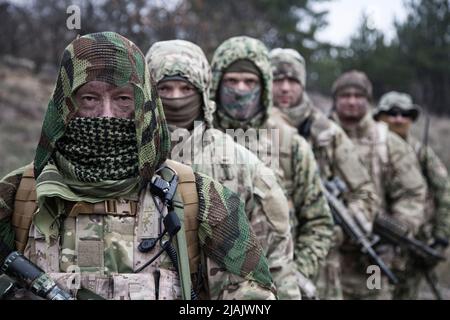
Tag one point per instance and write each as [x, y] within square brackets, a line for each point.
[227, 238]
[111, 58]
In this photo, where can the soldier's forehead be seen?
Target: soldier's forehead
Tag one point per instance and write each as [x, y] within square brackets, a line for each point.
[240, 75]
[351, 89]
[101, 85]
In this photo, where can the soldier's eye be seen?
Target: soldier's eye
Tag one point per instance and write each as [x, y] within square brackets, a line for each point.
[125, 98]
[250, 82]
[163, 89]
[231, 81]
[89, 98]
[187, 89]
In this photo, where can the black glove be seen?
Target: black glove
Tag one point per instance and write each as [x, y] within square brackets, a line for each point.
[440, 244]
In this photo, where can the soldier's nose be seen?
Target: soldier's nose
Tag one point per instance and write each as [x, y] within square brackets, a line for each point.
[107, 110]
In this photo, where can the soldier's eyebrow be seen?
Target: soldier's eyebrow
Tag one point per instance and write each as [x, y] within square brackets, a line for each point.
[187, 85]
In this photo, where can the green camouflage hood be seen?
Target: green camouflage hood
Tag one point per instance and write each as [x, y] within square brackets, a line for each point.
[111, 58]
[184, 58]
[238, 48]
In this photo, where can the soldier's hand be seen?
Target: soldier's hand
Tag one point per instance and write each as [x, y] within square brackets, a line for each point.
[440, 244]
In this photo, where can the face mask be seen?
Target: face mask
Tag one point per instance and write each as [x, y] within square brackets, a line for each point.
[182, 112]
[96, 149]
[241, 105]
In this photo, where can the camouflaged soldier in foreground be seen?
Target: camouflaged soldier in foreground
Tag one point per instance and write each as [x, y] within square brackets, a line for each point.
[290, 156]
[393, 168]
[399, 112]
[96, 157]
[334, 152]
[182, 65]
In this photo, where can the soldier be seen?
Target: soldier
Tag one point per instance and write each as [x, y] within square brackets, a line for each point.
[398, 111]
[98, 197]
[392, 167]
[183, 77]
[334, 152]
[242, 90]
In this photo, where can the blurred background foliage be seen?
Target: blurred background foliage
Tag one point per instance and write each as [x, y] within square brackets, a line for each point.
[416, 60]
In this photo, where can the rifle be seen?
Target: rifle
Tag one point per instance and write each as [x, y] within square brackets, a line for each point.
[22, 271]
[342, 217]
[393, 232]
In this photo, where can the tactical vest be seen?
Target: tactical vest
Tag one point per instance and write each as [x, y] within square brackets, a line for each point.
[374, 152]
[285, 170]
[92, 231]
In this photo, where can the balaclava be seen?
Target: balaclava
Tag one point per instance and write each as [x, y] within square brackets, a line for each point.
[230, 51]
[182, 60]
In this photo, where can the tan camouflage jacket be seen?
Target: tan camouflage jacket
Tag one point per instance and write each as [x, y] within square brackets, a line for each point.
[394, 169]
[436, 176]
[214, 153]
[336, 157]
[284, 151]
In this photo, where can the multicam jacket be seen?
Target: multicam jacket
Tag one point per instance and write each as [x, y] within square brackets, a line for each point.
[73, 231]
[438, 210]
[214, 153]
[283, 150]
[393, 167]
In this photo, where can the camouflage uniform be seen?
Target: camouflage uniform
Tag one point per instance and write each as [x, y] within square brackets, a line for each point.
[293, 159]
[93, 225]
[230, 163]
[394, 170]
[336, 156]
[436, 228]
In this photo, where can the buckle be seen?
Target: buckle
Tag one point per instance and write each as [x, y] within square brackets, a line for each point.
[119, 207]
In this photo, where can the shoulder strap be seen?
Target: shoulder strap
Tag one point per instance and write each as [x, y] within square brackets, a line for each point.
[25, 205]
[286, 136]
[189, 196]
[382, 145]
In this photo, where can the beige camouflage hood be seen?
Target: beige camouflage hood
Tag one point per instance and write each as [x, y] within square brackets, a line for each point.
[288, 63]
[186, 59]
[238, 48]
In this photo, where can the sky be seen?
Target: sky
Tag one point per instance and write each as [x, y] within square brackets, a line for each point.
[344, 18]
